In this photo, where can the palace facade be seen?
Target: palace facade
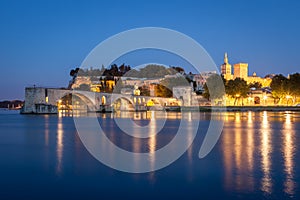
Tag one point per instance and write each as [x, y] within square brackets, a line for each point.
[240, 70]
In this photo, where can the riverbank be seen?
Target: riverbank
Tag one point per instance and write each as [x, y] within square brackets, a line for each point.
[245, 108]
[195, 109]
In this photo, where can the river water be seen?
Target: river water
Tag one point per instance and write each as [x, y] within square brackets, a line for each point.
[256, 157]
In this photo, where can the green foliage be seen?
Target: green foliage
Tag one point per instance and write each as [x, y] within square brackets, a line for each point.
[256, 85]
[173, 82]
[214, 87]
[237, 88]
[151, 71]
[165, 88]
[294, 85]
[90, 72]
[283, 87]
[280, 86]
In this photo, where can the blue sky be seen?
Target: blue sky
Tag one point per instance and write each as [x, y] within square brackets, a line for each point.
[42, 40]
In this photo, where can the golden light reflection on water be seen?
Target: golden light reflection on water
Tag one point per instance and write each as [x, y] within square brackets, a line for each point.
[266, 150]
[288, 151]
[59, 145]
[238, 145]
[152, 142]
[242, 152]
[152, 147]
[249, 149]
[241, 144]
[248, 142]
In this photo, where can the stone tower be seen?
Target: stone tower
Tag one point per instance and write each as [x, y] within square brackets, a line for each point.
[241, 70]
[226, 68]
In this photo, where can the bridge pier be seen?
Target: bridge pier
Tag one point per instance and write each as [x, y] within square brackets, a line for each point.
[40, 100]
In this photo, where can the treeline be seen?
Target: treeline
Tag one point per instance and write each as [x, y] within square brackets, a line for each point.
[286, 87]
[114, 70]
[149, 71]
[281, 87]
[216, 87]
[153, 71]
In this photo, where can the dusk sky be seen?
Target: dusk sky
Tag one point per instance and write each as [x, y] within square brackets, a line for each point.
[41, 41]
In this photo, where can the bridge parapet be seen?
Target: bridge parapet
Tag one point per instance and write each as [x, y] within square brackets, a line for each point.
[49, 98]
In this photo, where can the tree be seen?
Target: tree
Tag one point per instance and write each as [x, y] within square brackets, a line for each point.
[237, 89]
[165, 88]
[280, 87]
[122, 68]
[294, 85]
[214, 87]
[72, 72]
[178, 69]
[150, 71]
[255, 85]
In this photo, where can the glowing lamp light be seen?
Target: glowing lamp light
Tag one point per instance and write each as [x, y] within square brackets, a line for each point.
[265, 97]
[288, 96]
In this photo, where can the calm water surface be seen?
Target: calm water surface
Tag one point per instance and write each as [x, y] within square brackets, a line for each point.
[256, 157]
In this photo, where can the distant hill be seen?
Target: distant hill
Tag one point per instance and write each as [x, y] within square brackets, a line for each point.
[10, 104]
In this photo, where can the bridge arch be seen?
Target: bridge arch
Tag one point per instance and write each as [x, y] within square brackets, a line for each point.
[77, 100]
[120, 102]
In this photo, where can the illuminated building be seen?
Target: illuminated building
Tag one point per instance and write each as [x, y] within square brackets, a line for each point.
[226, 68]
[241, 71]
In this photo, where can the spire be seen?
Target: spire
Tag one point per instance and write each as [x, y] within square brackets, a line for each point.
[225, 58]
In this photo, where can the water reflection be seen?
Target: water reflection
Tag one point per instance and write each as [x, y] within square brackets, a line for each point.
[265, 150]
[190, 138]
[249, 150]
[238, 144]
[59, 145]
[288, 149]
[256, 148]
[46, 130]
[152, 148]
[250, 145]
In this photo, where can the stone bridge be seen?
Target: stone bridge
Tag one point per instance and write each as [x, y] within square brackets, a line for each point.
[46, 100]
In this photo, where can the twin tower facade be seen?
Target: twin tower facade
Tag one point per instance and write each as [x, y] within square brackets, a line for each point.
[240, 70]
